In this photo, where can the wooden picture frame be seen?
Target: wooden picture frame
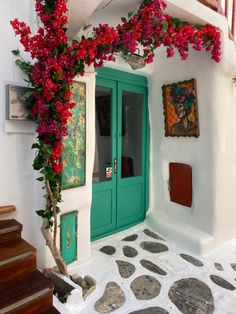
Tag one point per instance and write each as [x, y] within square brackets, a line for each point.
[18, 102]
[181, 109]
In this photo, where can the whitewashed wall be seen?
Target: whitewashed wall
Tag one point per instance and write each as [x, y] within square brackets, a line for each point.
[16, 173]
[212, 218]
[17, 180]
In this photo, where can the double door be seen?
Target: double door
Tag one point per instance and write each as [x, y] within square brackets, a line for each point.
[120, 186]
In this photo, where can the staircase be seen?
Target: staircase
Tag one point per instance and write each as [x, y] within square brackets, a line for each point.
[23, 289]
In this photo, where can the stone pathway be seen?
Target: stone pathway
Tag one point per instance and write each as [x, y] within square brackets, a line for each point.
[138, 271]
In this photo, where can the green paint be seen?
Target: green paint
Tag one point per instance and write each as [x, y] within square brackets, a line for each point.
[121, 202]
[74, 145]
[69, 237]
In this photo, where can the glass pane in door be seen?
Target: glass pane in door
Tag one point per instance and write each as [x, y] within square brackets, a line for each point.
[132, 130]
[103, 150]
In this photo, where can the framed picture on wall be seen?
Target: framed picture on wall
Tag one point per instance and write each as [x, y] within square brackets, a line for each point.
[18, 102]
[74, 144]
[181, 109]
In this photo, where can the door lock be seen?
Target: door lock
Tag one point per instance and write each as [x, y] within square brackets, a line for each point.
[115, 166]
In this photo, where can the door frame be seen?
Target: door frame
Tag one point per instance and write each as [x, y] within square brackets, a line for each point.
[133, 80]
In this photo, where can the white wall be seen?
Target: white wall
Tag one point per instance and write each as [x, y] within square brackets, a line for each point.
[17, 176]
[210, 220]
[17, 180]
[212, 217]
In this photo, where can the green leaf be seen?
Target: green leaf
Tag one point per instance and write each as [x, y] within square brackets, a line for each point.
[40, 179]
[16, 52]
[35, 145]
[165, 26]
[123, 19]
[40, 212]
[27, 95]
[130, 14]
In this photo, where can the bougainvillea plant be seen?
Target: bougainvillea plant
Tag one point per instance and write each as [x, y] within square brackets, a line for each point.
[56, 61]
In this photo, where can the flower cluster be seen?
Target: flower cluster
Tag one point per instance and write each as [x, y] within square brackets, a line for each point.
[57, 62]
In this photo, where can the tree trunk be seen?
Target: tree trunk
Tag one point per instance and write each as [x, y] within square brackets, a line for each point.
[54, 250]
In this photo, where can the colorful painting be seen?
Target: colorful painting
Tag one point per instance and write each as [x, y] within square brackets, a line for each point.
[180, 109]
[74, 145]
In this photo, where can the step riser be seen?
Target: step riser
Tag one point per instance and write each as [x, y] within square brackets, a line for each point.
[17, 268]
[10, 236]
[36, 305]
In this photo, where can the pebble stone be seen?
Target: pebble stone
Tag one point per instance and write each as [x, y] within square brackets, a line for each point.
[108, 249]
[151, 310]
[191, 295]
[129, 251]
[233, 265]
[219, 267]
[222, 282]
[112, 299]
[153, 247]
[152, 267]
[131, 238]
[145, 287]
[192, 260]
[126, 269]
[152, 234]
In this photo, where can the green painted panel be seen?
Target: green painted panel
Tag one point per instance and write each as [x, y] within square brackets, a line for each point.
[69, 237]
[74, 145]
[130, 204]
[102, 214]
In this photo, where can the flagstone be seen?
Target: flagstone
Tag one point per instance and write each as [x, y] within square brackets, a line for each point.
[152, 234]
[153, 247]
[129, 251]
[108, 249]
[145, 287]
[112, 299]
[152, 267]
[126, 269]
[192, 260]
[191, 295]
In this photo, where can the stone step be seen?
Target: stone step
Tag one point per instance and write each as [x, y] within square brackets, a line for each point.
[9, 230]
[29, 294]
[16, 259]
[7, 209]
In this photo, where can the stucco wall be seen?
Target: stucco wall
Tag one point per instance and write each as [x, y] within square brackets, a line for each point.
[212, 216]
[18, 183]
[210, 219]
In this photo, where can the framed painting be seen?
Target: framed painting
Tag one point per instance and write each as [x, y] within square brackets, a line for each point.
[181, 109]
[74, 144]
[18, 102]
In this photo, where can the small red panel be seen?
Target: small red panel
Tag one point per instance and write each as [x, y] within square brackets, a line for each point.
[180, 183]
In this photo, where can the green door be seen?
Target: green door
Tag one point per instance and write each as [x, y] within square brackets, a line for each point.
[120, 178]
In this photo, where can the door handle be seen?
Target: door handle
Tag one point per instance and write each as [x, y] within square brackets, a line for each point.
[115, 166]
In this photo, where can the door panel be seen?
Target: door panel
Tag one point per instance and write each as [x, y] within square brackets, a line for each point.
[119, 191]
[131, 154]
[130, 204]
[103, 209]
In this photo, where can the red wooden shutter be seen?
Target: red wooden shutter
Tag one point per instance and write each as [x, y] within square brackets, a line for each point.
[180, 184]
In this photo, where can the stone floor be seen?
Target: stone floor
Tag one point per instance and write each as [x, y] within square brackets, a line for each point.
[139, 272]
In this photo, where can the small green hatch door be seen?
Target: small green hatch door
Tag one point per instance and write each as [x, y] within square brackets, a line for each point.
[69, 237]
